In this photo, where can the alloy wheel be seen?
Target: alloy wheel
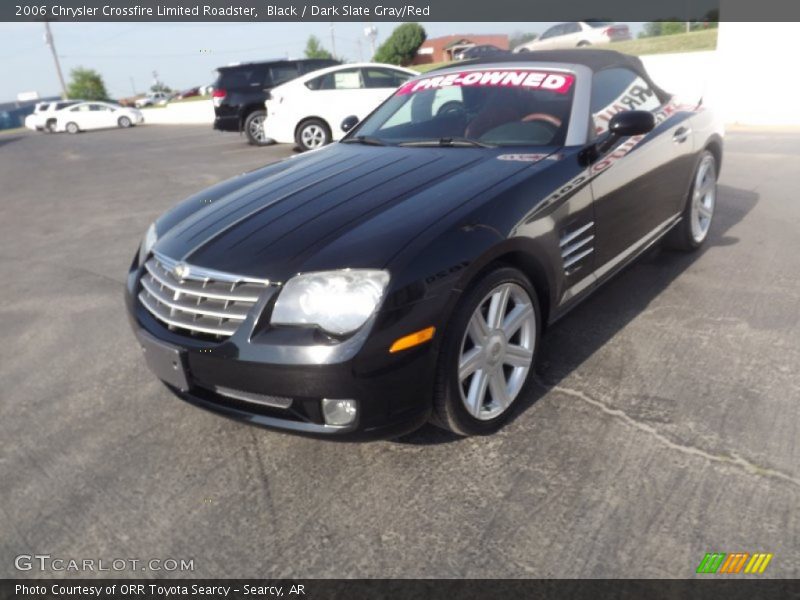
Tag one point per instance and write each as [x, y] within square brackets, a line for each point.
[312, 136]
[256, 129]
[704, 196]
[497, 351]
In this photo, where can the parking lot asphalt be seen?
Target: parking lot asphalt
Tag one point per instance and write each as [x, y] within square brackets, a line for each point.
[664, 423]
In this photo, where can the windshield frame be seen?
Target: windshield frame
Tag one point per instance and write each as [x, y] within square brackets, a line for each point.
[578, 129]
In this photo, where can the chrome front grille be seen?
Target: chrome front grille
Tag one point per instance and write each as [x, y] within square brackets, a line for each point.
[577, 245]
[193, 300]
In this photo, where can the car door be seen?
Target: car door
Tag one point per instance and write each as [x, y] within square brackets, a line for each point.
[548, 39]
[80, 114]
[337, 95]
[570, 36]
[103, 116]
[639, 185]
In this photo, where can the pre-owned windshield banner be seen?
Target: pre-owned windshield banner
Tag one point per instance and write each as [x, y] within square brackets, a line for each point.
[397, 10]
[530, 79]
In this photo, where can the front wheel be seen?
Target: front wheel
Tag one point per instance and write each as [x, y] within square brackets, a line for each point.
[692, 230]
[254, 128]
[488, 354]
[312, 134]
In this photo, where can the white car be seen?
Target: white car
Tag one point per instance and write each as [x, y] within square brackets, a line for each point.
[154, 99]
[577, 34]
[43, 116]
[96, 115]
[309, 110]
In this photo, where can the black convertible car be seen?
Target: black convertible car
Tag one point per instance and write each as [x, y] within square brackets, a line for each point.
[406, 273]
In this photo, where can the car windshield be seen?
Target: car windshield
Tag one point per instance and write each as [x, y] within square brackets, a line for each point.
[492, 107]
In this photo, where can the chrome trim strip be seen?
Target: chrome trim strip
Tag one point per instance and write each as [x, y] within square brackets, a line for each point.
[573, 247]
[221, 313]
[183, 324]
[571, 261]
[202, 274]
[571, 236]
[642, 243]
[261, 399]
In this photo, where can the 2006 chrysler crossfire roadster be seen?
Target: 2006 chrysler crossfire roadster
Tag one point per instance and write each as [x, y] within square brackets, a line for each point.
[404, 274]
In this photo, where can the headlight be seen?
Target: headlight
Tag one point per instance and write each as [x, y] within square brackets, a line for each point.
[149, 240]
[338, 301]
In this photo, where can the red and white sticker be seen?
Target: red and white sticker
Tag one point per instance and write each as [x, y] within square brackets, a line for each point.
[519, 78]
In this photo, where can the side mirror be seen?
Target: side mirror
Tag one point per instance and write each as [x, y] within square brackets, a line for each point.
[632, 122]
[349, 122]
[624, 124]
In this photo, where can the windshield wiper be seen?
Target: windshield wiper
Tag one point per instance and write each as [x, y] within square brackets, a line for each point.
[364, 139]
[450, 142]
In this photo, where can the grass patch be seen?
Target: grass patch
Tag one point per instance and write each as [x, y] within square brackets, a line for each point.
[695, 41]
[15, 130]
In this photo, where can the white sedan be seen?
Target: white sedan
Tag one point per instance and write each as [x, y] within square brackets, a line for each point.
[96, 115]
[309, 110]
[577, 34]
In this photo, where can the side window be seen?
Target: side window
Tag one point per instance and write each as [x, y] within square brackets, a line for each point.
[347, 79]
[283, 73]
[552, 32]
[383, 78]
[570, 28]
[618, 90]
[82, 108]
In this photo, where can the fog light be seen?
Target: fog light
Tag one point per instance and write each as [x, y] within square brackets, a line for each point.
[338, 412]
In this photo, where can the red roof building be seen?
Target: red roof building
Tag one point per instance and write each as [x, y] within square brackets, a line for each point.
[442, 49]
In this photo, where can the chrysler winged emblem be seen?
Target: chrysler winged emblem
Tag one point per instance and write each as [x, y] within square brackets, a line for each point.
[181, 270]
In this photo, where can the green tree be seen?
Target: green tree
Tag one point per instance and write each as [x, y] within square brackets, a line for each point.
[86, 84]
[401, 47]
[518, 37]
[314, 48]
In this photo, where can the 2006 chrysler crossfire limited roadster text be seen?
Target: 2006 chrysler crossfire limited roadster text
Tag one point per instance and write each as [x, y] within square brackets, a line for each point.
[405, 273]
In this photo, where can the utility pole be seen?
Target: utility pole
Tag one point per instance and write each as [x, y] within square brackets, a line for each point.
[133, 86]
[48, 39]
[333, 42]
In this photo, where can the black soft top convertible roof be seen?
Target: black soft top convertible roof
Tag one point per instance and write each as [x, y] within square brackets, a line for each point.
[596, 60]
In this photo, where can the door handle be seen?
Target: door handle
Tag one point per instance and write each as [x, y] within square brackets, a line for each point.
[681, 135]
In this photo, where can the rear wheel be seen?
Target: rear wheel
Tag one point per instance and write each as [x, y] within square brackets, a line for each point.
[50, 126]
[124, 122]
[254, 128]
[488, 354]
[583, 44]
[690, 233]
[312, 134]
[72, 127]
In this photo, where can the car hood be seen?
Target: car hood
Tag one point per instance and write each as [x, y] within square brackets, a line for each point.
[346, 205]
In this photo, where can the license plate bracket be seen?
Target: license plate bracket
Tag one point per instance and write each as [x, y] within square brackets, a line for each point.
[165, 361]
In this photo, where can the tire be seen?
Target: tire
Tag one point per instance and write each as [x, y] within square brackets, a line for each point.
[124, 122]
[254, 128]
[463, 404]
[50, 126]
[584, 44]
[312, 134]
[72, 128]
[692, 230]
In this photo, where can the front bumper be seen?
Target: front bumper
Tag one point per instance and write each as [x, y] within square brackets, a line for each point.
[393, 392]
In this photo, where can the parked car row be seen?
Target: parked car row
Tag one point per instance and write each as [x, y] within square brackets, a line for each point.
[74, 116]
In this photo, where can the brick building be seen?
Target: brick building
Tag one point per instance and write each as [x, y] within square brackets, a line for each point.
[442, 49]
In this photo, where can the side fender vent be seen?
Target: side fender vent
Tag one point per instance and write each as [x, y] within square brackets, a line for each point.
[576, 244]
